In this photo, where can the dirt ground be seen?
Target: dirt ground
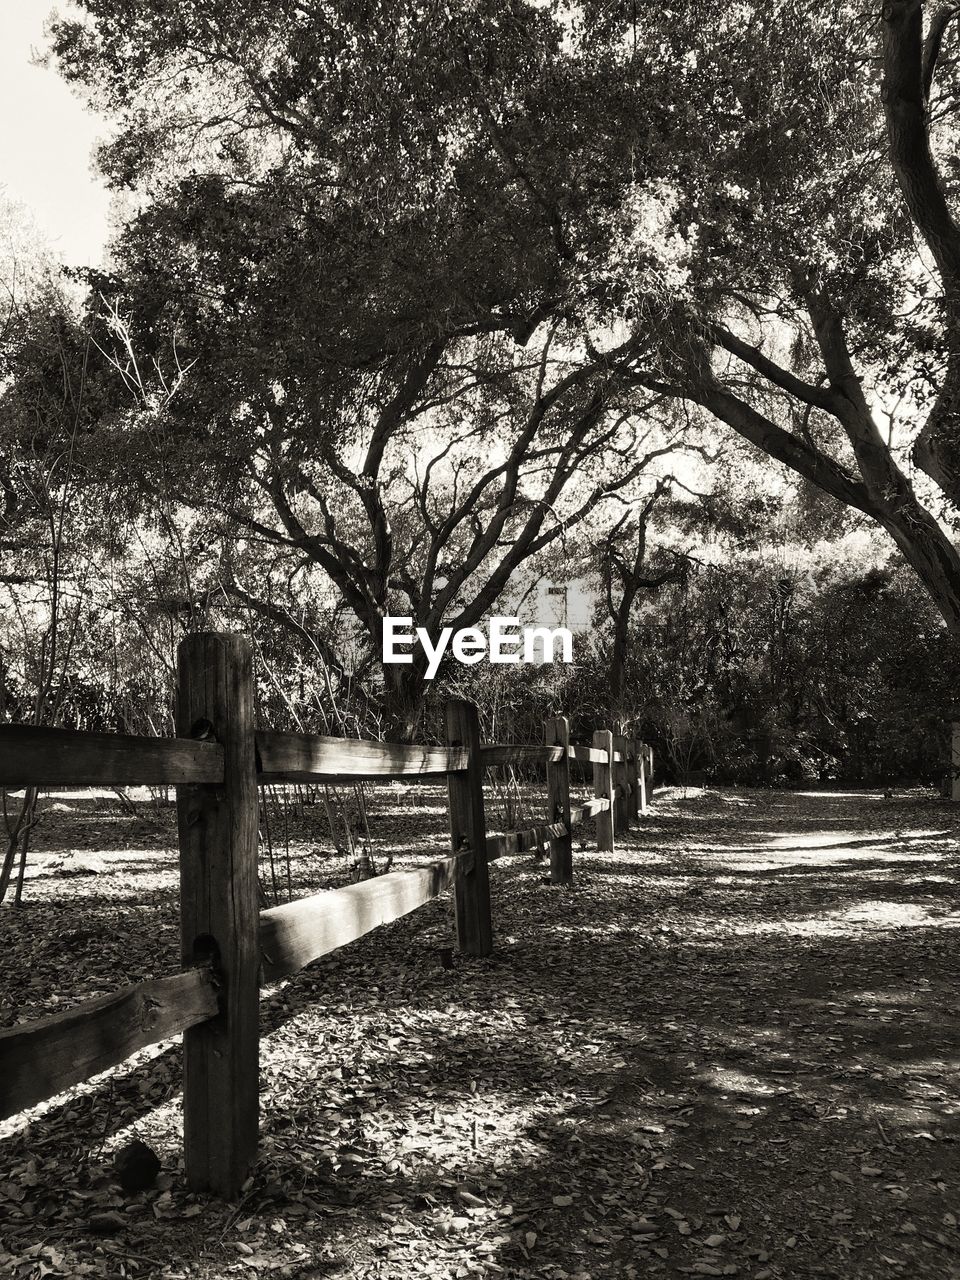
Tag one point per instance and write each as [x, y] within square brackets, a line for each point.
[732, 1049]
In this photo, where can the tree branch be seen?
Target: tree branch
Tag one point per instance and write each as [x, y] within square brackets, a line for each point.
[908, 139]
[931, 46]
[789, 449]
[818, 397]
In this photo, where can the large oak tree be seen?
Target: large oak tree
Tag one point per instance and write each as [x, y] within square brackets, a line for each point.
[747, 208]
[373, 321]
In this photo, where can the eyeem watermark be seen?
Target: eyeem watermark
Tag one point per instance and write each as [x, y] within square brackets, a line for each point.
[506, 642]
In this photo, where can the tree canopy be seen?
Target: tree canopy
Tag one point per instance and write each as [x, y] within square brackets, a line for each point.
[412, 304]
[743, 207]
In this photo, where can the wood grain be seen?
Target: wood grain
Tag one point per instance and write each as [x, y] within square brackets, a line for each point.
[524, 841]
[40, 1059]
[588, 755]
[603, 789]
[640, 779]
[588, 810]
[556, 732]
[294, 934]
[622, 788]
[305, 757]
[219, 915]
[65, 757]
[498, 753]
[468, 831]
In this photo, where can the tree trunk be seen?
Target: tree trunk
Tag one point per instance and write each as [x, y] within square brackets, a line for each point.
[617, 670]
[934, 559]
[881, 491]
[402, 702]
[18, 838]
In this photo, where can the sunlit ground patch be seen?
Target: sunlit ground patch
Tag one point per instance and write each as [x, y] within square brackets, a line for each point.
[832, 839]
[730, 1080]
[849, 921]
[841, 795]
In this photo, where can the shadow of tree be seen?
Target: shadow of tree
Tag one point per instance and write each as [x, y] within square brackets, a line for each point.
[659, 1057]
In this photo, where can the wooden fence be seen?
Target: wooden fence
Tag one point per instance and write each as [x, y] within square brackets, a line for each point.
[229, 946]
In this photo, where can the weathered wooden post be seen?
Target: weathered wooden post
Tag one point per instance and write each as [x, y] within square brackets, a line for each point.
[617, 781]
[603, 789]
[640, 756]
[219, 914]
[468, 829]
[622, 779]
[556, 733]
[636, 771]
[629, 790]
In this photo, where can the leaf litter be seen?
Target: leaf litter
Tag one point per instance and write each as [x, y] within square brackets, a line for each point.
[728, 1051]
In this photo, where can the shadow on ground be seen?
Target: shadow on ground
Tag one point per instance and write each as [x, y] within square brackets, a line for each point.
[696, 1062]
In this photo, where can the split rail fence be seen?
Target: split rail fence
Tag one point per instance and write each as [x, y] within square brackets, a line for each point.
[230, 947]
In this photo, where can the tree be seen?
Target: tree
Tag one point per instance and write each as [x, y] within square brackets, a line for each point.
[628, 572]
[793, 332]
[374, 370]
[704, 198]
[422, 500]
[44, 408]
[780, 669]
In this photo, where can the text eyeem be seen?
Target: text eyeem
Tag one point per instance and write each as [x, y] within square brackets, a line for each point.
[505, 641]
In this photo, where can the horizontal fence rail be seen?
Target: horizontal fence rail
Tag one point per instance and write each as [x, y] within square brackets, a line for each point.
[296, 933]
[524, 841]
[493, 754]
[303, 757]
[229, 946]
[66, 757]
[42, 1058]
[589, 810]
[70, 757]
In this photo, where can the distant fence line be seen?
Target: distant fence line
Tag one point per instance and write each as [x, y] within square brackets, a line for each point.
[229, 946]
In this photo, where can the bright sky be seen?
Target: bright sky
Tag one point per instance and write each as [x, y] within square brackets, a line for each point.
[46, 141]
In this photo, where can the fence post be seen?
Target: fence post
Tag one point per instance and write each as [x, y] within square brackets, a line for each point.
[219, 914]
[468, 828]
[603, 789]
[641, 777]
[622, 777]
[556, 732]
[636, 771]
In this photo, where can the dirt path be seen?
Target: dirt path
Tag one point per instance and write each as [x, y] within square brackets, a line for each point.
[808, 1037]
[732, 1050]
